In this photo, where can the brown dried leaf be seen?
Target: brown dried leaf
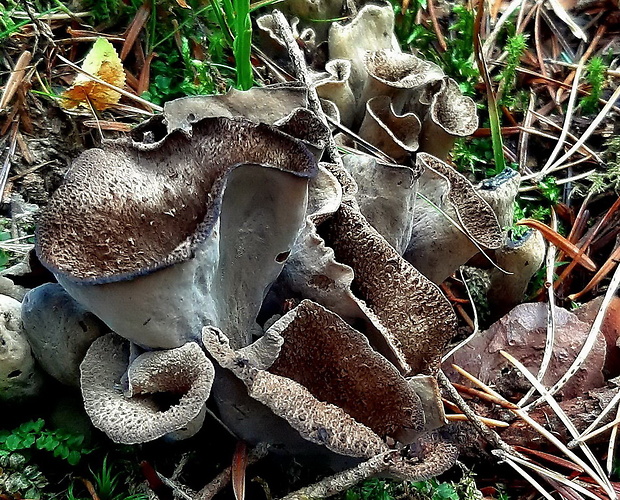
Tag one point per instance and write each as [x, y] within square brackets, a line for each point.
[103, 63]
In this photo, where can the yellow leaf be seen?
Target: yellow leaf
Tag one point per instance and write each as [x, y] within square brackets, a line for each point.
[101, 62]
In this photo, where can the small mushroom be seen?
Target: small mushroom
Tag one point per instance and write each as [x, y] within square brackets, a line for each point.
[521, 258]
[397, 75]
[166, 392]
[451, 115]
[187, 231]
[500, 192]
[394, 134]
[59, 330]
[370, 30]
[335, 87]
[452, 222]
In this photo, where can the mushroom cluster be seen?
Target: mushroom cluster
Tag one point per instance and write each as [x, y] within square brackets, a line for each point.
[301, 296]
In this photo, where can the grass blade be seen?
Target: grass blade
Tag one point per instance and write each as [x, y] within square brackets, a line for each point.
[242, 46]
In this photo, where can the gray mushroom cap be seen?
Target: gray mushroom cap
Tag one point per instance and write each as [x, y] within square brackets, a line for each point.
[155, 202]
[452, 224]
[184, 374]
[337, 364]
[371, 29]
[451, 115]
[177, 234]
[394, 134]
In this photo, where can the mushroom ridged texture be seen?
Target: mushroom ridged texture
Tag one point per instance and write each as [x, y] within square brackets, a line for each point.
[129, 209]
[412, 308]
[168, 389]
[337, 365]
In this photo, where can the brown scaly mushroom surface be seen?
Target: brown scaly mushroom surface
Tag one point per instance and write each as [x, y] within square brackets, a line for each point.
[162, 200]
[336, 364]
[184, 375]
[460, 224]
[414, 311]
[316, 421]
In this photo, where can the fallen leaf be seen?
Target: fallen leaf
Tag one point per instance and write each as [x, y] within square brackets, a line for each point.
[101, 62]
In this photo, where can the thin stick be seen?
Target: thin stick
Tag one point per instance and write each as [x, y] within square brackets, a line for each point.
[605, 269]
[489, 43]
[525, 136]
[6, 167]
[595, 472]
[611, 448]
[509, 459]
[565, 16]
[597, 432]
[223, 478]
[16, 78]
[601, 416]
[489, 422]
[532, 423]
[574, 138]
[592, 336]
[489, 434]
[593, 44]
[588, 132]
[436, 28]
[476, 328]
[566, 180]
[485, 396]
[301, 72]
[554, 459]
[543, 471]
[179, 491]
[550, 338]
[590, 238]
[569, 248]
[567, 122]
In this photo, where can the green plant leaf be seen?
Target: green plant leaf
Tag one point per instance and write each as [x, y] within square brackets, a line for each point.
[33, 425]
[61, 451]
[74, 457]
[75, 441]
[13, 442]
[28, 440]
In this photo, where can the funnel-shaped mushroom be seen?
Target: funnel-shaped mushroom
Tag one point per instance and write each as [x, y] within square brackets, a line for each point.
[451, 115]
[452, 222]
[521, 257]
[167, 389]
[318, 422]
[336, 364]
[394, 134]
[400, 76]
[161, 239]
[371, 29]
[327, 384]
[335, 87]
